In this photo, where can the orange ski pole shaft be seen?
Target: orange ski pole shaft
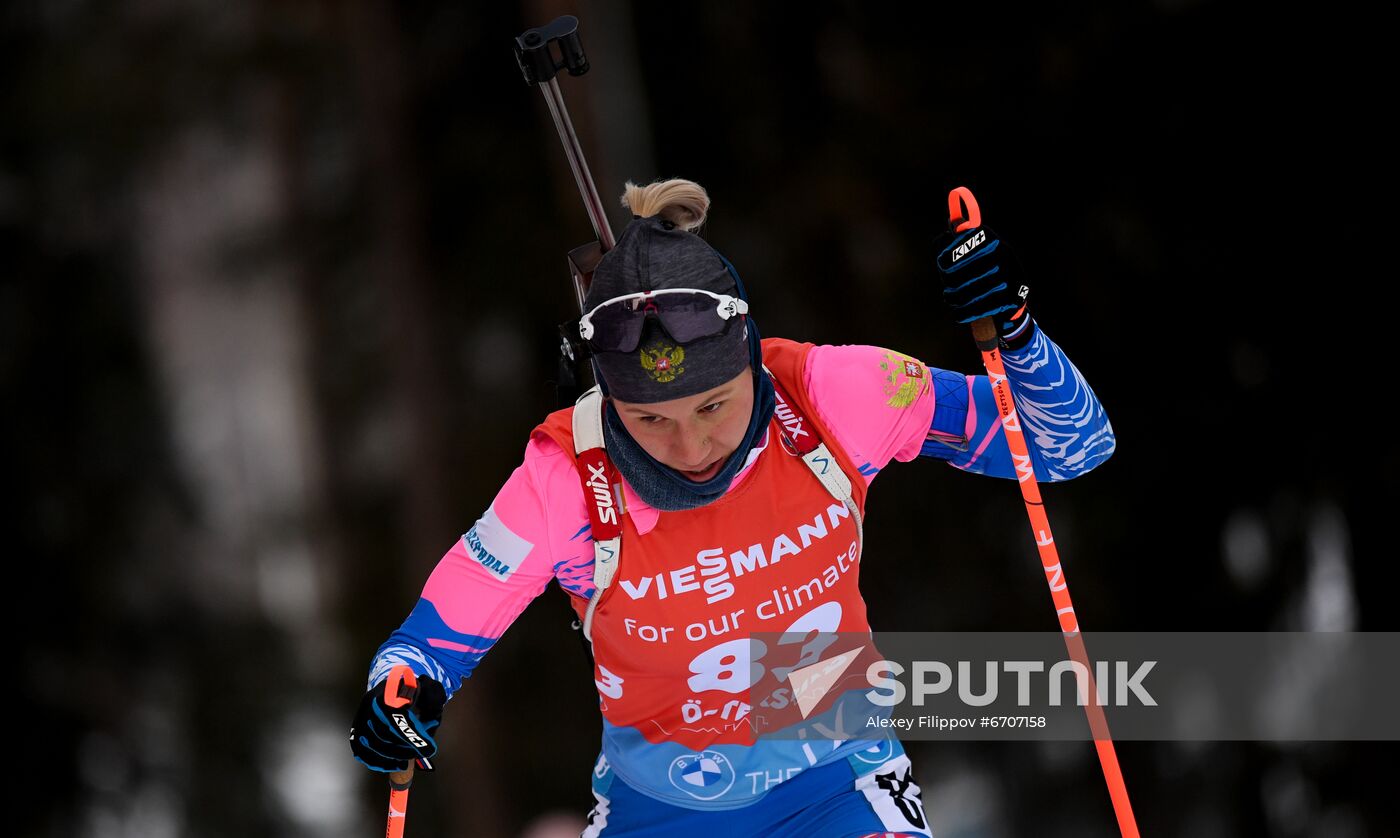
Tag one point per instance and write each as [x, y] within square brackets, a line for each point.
[984, 332]
[399, 782]
[400, 688]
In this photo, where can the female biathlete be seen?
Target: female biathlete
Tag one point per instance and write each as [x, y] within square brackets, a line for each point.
[711, 487]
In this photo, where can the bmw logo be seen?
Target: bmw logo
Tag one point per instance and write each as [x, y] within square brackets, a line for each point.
[704, 776]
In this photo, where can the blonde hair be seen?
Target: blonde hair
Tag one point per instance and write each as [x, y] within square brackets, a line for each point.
[682, 202]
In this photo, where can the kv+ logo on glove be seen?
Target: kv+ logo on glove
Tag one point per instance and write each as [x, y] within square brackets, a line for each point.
[983, 278]
[387, 738]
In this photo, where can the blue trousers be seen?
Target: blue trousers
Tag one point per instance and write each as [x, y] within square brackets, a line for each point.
[843, 799]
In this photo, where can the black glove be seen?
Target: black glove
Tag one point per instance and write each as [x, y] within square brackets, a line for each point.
[983, 278]
[387, 738]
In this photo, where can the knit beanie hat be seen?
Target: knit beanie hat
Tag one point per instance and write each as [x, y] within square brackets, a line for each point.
[651, 254]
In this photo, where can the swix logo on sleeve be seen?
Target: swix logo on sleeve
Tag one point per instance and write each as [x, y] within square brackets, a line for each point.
[968, 246]
[494, 546]
[408, 732]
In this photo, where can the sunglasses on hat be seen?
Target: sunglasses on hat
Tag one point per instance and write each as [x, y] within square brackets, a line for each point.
[687, 314]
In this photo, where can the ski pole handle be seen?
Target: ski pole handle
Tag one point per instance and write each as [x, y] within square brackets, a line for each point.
[401, 690]
[964, 214]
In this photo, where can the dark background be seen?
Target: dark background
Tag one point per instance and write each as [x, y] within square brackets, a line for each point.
[278, 305]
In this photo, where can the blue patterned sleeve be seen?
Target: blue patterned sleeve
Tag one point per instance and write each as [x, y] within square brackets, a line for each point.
[1066, 429]
[409, 645]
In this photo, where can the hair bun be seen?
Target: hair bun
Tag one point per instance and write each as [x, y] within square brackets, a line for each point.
[681, 203]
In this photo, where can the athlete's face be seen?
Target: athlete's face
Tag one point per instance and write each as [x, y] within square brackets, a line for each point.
[694, 435]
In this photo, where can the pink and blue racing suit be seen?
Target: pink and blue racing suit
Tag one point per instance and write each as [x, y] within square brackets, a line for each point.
[536, 531]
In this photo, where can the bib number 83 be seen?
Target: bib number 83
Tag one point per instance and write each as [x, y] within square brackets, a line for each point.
[732, 666]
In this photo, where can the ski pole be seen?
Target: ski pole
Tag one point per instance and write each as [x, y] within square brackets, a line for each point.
[400, 689]
[984, 332]
[535, 55]
[399, 782]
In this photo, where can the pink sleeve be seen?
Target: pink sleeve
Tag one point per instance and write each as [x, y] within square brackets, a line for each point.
[533, 531]
[877, 402]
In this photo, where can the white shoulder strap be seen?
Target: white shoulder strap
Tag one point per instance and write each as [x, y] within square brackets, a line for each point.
[588, 435]
[588, 421]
